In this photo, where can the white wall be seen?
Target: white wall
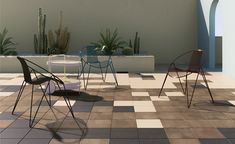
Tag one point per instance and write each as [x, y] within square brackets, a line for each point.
[166, 27]
[228, 23]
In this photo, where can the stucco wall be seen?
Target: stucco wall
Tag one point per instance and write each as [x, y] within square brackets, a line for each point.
[166, 27]
[228, 23]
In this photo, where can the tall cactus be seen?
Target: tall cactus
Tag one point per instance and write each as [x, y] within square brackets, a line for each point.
[60, 44]
[137, 44]
[40, 39]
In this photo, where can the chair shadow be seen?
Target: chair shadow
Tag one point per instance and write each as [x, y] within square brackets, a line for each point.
[78, 96]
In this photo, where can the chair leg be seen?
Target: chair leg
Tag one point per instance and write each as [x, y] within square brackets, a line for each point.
[101, 72]
[31, 107]
[19, 95]
[180, 83]
[186, 89]
[163, 84]
[114, 72]
[88, 77]
[194, 87]
[68, 104]
[205, 80]
[44, 93]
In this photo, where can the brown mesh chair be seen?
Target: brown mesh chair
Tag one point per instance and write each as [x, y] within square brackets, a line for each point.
[29, 69]
[194, 66]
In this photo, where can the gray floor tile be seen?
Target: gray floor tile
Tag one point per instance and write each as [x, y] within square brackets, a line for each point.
[82, 108]
[103, 103]
[214, 141]
[128, 133]
[68, 134]
[123, 109]
[9, 141]
[228, 132]
[35, 141]
[39, 133]
[21, 123]
[124, 141]
[152, 133]
[44, 102]
[100, 133]
[14, 133]
[154, 141]
[9, 116]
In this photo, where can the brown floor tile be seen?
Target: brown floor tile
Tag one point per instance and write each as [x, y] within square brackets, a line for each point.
[71, 141]
[102, 109]
[99, 124]
[5, 123]
[206, 133]
[146, 115]
[183, 133]
[223, 123]
[175, 124]
[171, 115]
[123, 116]
[200, 123]
[184, 141]
[101, 116]
[95, 141]
[124, 124]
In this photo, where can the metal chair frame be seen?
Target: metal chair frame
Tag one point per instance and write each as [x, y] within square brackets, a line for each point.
[95, 63]
[39, 79]
[195, 66]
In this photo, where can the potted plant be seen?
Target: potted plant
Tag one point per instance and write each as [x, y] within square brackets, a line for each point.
[6, 44]
[109, 42]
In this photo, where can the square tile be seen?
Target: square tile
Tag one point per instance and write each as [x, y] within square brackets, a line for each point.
[139, 93]
[9, 116]
[123, 109]
[35, 141]
[152, 133]
[9, 141]
[174, 94]
[14, 133]
[63, 103]
[124, 124]
[154, 141]
[94, 141]
[232, 102]
[149, 123]
[214, 141]
[127, 133]
[124, 141]
[161, 98]
[144, 108]
[37, 133]
[101, 133]
[6, 93]
[228, 132]
[123, 103]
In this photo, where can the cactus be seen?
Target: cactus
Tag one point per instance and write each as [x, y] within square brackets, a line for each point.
[137, 44]
[60, 44]
[40, 39]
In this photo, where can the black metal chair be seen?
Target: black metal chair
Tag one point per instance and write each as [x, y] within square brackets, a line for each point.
[194, 65]
[32, 69]
[89, 56]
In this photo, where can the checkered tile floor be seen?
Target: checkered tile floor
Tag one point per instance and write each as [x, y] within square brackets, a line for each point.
[131, 113]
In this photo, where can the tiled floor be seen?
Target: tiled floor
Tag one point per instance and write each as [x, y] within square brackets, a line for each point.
[131, 113]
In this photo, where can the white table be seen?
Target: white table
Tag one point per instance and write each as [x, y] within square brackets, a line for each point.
[65, 61]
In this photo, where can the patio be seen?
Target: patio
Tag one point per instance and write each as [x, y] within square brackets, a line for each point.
[129, 114]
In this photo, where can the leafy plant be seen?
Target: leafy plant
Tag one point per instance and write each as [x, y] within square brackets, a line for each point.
[6, 44]
[109, 42]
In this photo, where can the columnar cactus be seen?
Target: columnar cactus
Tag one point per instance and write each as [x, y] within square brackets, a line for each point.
[40, 39]
[59, 44]
[137, 44]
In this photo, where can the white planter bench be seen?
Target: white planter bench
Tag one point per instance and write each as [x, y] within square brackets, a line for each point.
[144, 63]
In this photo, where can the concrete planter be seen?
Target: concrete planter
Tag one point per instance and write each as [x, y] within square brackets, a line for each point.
[10, 64]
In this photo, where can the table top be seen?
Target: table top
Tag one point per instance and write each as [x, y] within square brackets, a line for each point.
[64, 62]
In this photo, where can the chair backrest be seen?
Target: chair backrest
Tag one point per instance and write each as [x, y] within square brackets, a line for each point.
[90, 53]
[25, 68]
[195, 62]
